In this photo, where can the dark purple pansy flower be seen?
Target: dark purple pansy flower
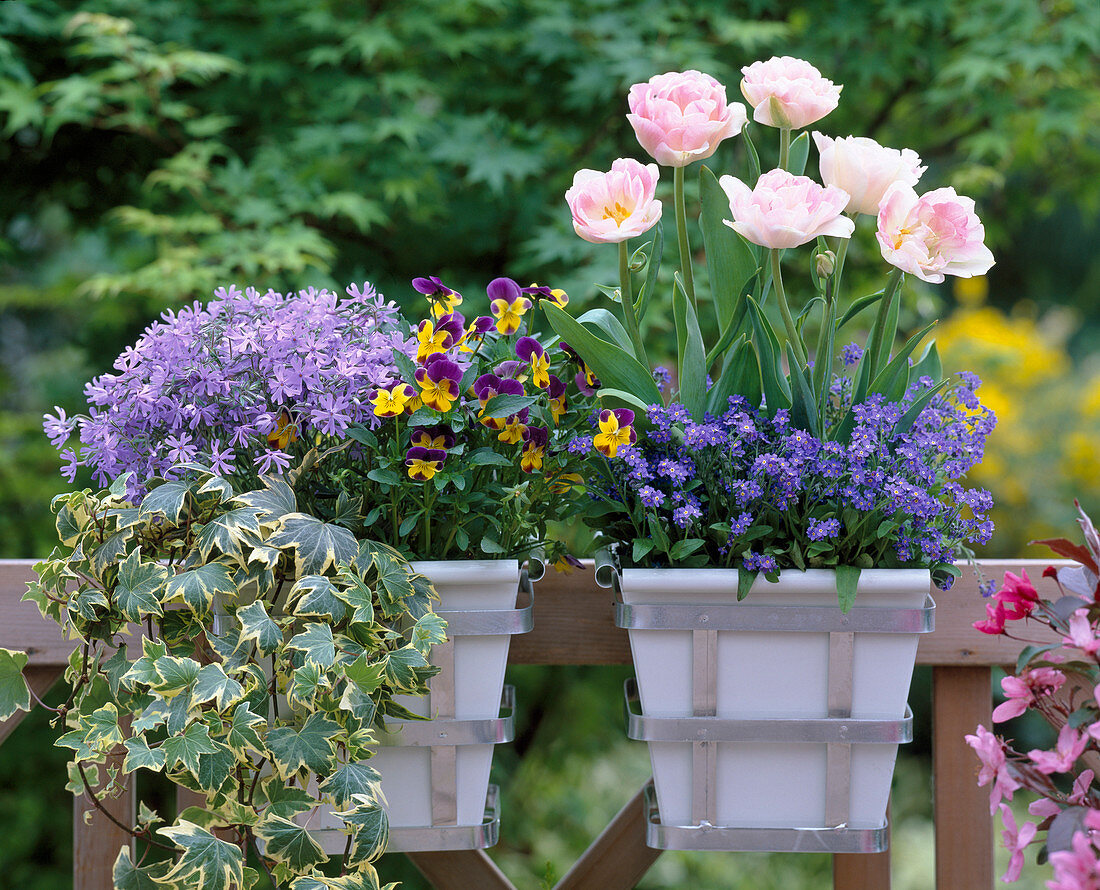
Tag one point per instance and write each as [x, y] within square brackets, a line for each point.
[570, 351]
[437, 368]
[536, 436]
[527, 347]
[503, 289]
[511, 369]
[486, 383]
[438, 436]
[556, 389]
[453, 323]
[430, 286]
[542, 291]
[482, 324]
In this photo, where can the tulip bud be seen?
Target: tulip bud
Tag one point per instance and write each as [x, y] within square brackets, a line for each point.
[825, 263]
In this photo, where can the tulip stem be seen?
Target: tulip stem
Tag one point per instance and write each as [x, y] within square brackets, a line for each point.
[626, 295]
[785, 311]
[784, 147]
[682, 234]
[838, 271]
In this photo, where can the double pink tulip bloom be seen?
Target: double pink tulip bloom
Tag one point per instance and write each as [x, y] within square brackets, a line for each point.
[611, 207]
[788, 92]
[785, 210]
[865, 169]
[680, 117]
[932, 236]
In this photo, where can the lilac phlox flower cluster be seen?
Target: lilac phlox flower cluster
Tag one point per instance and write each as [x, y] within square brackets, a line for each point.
[746, 465]
[235, 382]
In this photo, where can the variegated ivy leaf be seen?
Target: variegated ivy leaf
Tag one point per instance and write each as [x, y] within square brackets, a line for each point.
[140, 756]
[223, 488]
[140, 587]
[306, 683]
[364, 879]
[101, 729]
[90, 604]
[359, 704]
[284, 800]
[174, 675]
[216, 769]
[316, 595]
[197, 587]
[402, 668]
[258, 626]
[110, 551]
[370, 827]
[368, 550]
[349, 510]
[212, 684]
[14, 694]
[143, 670]
[349, 780]
[420, 603]
[244, 731]
[310, 747]
[186, 747]
[207, 862]
[228, 532]
[274, 501]
[116, 667]
[317, 644]
[231, 649]
[318, 546]
[358, 595]
[167, 500]
[429, 630]
[128, 876]
[394, 585]
[290, 843]
[156, 714]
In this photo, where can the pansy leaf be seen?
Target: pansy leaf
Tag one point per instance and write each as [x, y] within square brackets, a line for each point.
[212, 684]
[14, 694]
[137, 593]
[167, 500]
[488, 457]
[207, 861]
[316, 595]
[127, 876]
[350, 779]
[317, 545]
[507, 404]
[140, 756]
[197, 587]
[310, 747]
[185, 747]
[259, 627]
[289, 843]
[317, 644]
[244, 731]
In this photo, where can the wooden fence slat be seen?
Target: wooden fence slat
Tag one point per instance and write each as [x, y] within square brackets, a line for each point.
[862, 871]
[461, 870]
[96, 844]
[961, 699]
[618, 858]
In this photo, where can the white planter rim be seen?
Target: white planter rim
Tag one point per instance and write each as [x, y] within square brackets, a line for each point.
[685, 583]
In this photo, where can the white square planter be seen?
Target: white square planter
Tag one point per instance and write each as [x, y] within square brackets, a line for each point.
[777, 713]
[435, 773]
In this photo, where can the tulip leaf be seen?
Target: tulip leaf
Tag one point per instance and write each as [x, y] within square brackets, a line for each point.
[800, 151]
[615, 367]
[656, 249]
[803, 404]
[627, 399]
[740, 376]
[754, 157]
[731, 262]
[893, 380]
[609, 324]
[858, 306]
[929, 364]
[691, 364]
[777, 392]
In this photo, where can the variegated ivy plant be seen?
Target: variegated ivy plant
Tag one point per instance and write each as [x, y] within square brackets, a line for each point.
[247, 651]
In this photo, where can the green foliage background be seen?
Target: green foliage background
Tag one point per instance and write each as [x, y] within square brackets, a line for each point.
[153, 149]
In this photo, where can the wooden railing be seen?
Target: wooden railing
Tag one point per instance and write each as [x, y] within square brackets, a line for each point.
[573, 625]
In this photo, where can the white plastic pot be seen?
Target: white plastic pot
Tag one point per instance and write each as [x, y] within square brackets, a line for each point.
[479, 661]
[774, 674]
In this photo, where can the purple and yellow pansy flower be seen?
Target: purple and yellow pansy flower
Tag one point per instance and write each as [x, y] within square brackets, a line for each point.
[530, 350]
[424, 463]
[488, 385]
[438, 379]
[475, 333]
[284, 432]
[431, 341]
[391, 402]
[443, 299]
[507, 303]
[535, 439]
[555, 389]
[438, 436]
[553, 295]
[615, 431]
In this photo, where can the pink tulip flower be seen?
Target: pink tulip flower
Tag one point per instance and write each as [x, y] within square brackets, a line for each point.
[785, 210]
[1070, 745]
[931, 236]
[611, 207]
[680, 117]
[1015, 841]
[786, 92]
[865, 169]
